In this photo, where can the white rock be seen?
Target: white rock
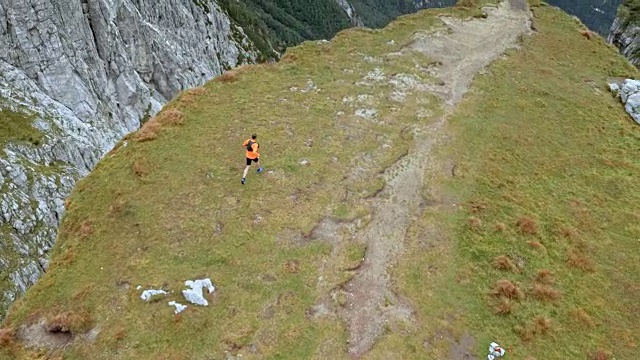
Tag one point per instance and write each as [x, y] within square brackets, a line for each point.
[148, 294]
[179, 307]
[195, 294]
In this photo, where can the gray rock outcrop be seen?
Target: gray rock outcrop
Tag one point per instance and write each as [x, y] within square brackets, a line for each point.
[88, 72]
[625, 35]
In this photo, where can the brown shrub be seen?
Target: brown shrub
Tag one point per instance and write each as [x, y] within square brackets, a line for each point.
[7, 337]
[582, 316]
[587, 34]
[119, 334]
[138, 169]
[541, 325]
[504, 263]
[544, 276]
[503, 306]
[545, 292]
[474, 222]
[527, 225]
[69, 322]
[579, 260]
[117, 206]
[500, 227]
[507, 289]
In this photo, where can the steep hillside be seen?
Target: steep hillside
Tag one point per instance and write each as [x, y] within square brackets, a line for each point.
[625, 31]
[76, 76]
[429, 188]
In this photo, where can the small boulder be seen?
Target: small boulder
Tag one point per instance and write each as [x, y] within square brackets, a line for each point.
[149, 294]
[179, 307]
[195, 294]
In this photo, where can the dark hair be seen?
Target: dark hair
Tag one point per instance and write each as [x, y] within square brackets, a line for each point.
[254, 136]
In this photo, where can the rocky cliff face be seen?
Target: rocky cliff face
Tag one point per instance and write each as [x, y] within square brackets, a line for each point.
[625, 32]
[87, 72]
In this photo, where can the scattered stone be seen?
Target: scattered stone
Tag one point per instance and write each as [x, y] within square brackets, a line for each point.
[179, 307]
[309, 143]
[195, 294]
[367, 113]
[304, 162]
[148, 294]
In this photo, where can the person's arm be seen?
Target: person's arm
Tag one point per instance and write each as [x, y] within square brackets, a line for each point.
[255, 149]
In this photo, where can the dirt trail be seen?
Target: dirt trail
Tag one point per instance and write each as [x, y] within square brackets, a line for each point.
[463, 51]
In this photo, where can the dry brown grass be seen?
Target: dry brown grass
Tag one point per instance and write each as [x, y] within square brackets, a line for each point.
[506, 289]
[477, 206]
[541, 324]
[582, 316]
[289, 58]
[600, 355]
[7, 337]
[292, 266]
[537, 245]
[503, 306]
[568, 233]
[151, 129]
[545, 277]
[503, 262]
[138, 168]
[501, 227]
[545, 293]
[69, 322]
[587, 34]
[578, 259]
[475, 223]
[527, 225]
[227, 77]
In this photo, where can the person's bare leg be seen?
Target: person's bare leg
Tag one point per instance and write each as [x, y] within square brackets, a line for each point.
[259, 166]
[246, 170]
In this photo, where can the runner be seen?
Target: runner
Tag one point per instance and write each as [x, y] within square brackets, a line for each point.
[251, 155]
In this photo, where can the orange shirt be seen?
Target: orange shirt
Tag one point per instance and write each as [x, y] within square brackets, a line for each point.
[251, 154]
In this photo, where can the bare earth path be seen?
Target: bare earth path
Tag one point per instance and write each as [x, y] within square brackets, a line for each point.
[463, 51]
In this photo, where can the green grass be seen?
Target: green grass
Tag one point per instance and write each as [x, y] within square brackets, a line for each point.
[17, 126]
[539, 136]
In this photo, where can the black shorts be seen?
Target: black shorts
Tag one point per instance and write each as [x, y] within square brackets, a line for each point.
[250, 160]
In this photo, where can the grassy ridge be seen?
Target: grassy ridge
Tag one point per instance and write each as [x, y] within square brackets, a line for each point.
[544, 159]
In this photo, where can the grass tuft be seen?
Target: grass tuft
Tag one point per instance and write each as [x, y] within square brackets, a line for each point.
[503, 306]
[506, 289]
[475, 223]
[544, 277]
[580, 315]
[527, 225]
[501, 227]
[503, 262]
[545, 293]
[600, 355]
[578, 259]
